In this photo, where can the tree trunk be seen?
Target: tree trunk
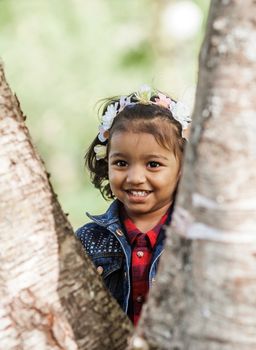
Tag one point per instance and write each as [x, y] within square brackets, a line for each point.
[204, 297]
[50, 296]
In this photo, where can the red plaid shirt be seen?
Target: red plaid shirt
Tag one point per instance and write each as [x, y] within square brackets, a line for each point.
[142, 245]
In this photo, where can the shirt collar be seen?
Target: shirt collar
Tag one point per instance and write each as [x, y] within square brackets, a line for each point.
[132, 231]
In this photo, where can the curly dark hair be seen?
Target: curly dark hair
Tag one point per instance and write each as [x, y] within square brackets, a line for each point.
[139, 117]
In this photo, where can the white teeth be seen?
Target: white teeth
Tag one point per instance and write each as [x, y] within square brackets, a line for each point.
[139, 193]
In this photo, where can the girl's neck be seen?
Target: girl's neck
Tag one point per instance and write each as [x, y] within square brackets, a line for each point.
[147, 221]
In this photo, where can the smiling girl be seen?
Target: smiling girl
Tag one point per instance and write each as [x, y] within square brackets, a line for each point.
[136, 160]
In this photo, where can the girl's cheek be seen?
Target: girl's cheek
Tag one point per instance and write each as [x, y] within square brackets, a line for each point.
[111, 176]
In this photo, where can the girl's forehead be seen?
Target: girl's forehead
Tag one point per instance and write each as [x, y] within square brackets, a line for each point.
[131, 136]
[134, 142]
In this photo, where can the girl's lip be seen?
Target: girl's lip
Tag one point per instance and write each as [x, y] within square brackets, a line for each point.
[136, 190]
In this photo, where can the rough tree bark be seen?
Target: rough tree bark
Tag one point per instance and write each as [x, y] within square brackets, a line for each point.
[50, 296]
[204, 297]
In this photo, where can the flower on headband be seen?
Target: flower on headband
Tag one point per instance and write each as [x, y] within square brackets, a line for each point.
[100, 151]
[163, 100]
[180, 112]
[109, 116]
[124, 101]
[107, 121]
[144, 94]
[103, 134]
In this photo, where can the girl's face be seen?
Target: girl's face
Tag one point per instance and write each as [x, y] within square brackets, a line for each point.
[143, 175]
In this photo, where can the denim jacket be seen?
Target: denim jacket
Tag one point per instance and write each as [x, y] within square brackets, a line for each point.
[104, 241]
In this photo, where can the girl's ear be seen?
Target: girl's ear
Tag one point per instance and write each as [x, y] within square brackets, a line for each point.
[179, 175]
[186, 132]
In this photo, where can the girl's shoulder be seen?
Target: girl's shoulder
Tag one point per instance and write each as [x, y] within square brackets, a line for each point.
[96, 235]
[90, 229]
[97, 239]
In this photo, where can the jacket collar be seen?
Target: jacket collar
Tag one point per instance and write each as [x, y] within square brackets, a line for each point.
[112, 215]
[109, 217]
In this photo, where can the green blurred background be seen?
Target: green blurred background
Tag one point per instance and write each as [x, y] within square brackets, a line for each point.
[62, 56]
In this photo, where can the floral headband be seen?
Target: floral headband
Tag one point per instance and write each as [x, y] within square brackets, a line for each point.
[179, 111]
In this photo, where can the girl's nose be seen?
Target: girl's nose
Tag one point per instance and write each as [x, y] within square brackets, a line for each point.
[135, 175]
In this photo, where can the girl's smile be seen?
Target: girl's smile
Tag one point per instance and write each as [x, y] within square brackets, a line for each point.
[143, 175]
[137, 195]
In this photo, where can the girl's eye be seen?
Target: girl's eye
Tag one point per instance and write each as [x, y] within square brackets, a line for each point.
[153, 164]
[120, 163]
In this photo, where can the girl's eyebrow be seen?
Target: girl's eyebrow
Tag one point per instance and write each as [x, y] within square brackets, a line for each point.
[159, 156]
[117, 154]
[147, 156]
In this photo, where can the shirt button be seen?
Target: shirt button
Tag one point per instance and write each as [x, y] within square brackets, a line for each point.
[140, 254]
[119, 232]
[100, 270]
[153, 280]
[139, 299]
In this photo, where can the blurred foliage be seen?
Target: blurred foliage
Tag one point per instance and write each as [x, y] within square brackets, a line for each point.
[62, 56]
